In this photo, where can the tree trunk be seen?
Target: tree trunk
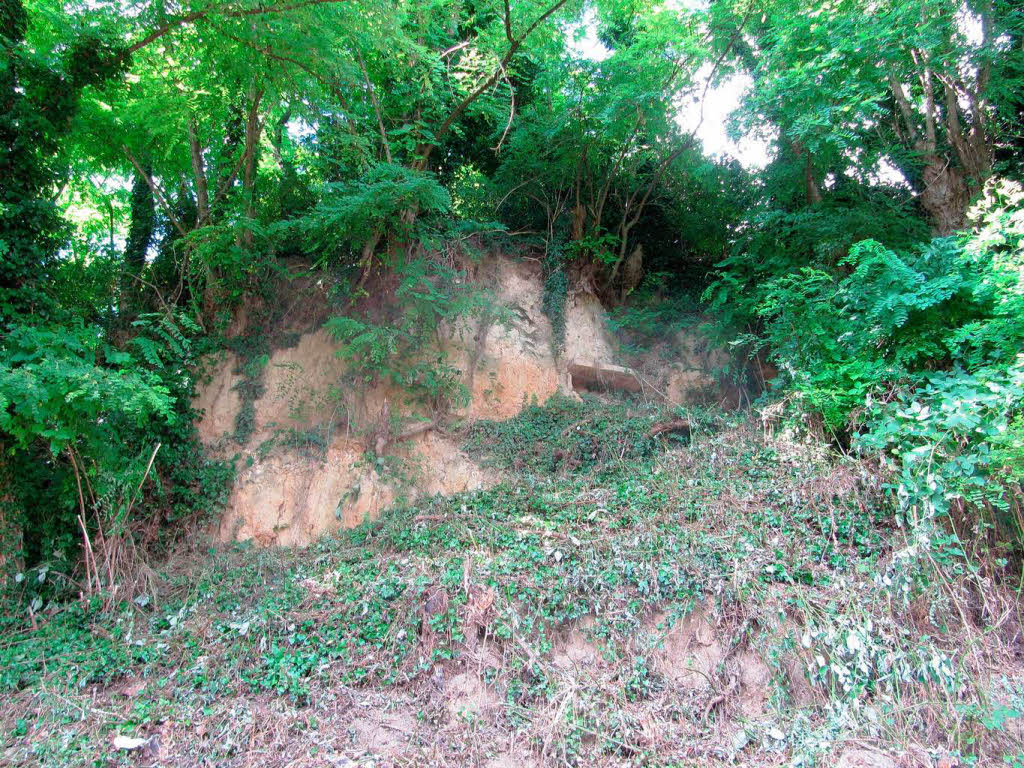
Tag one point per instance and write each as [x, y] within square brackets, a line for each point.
[199, 171]
[945, 196]
[632, 273]
[140, 235]
[253, 129]
[143, 223]
[810, 183]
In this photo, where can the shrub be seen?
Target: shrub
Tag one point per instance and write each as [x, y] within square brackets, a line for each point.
[84, 425]
[955, 443]
[916, 353]
[401, 347]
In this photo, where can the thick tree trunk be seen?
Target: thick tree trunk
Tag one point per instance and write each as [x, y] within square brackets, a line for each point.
[945, 196]
[812, 192]
[810, 183]
[579, 219]
[946, 189]
[632, 273]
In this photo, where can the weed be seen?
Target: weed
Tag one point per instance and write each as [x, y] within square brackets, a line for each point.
[775, 543]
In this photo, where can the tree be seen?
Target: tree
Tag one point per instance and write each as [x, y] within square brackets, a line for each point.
[39, 96]
[907, 82]
[600, 148]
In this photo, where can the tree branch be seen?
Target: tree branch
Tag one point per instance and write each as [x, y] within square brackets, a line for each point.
[508, 23]
[425, 150]
[376, 106]
[202, 194]
[227, 10]
[334, 86]
[156, 191]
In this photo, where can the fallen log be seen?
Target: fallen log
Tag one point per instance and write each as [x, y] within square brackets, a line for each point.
[604, 376]
[674, 425]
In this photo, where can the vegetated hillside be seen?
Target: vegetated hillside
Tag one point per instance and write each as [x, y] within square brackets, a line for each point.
[318, 445]
[716, 596]
[277, 273]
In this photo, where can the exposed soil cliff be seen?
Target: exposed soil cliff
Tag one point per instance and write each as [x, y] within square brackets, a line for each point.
[306, 464]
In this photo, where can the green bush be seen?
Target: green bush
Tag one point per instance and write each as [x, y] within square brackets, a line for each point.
[779, 243]
[351, 213]
[882, 317]
[400, 346]
[916, 353]
[955, 441]
[80, 422]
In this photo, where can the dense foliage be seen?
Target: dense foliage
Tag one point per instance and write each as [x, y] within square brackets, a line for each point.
[185, 179]
[166, 165]
[915, 352]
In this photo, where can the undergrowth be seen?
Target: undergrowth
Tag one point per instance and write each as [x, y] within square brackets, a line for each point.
[782, 547]
[566, 433]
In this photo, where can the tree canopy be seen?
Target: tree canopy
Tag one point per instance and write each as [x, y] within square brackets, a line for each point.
[162, 161]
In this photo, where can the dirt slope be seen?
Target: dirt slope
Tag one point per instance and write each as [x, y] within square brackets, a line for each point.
[304, 470]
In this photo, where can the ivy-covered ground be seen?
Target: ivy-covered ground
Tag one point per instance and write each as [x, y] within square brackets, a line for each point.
[736, 595]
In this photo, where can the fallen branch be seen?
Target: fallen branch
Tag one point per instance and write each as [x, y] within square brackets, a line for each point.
[383, 441]
[675, 425]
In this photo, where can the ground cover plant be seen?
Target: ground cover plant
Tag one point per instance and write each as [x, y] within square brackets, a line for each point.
[723, 601]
